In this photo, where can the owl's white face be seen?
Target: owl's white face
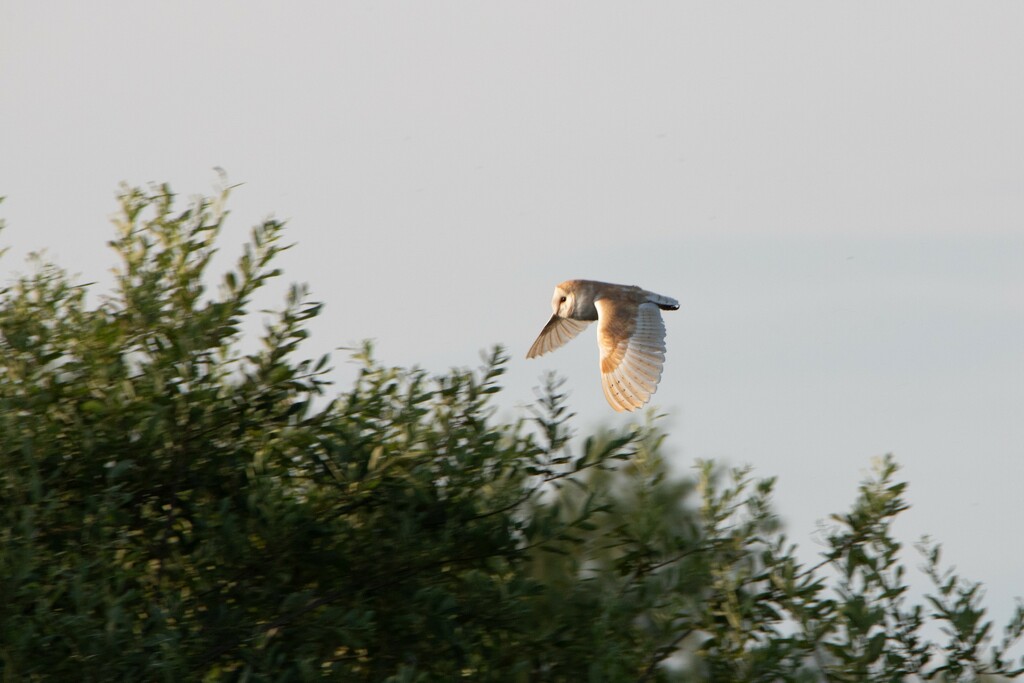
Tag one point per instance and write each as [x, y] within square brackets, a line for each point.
[563, 302]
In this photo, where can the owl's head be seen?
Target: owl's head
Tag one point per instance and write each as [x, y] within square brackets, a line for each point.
[563, 302]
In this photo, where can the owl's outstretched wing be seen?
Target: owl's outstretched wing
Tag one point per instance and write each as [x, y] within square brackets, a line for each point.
[632, 342]
[557, 332]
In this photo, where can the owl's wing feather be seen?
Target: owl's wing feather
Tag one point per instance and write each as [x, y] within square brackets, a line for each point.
[556, 333]
[632, 342]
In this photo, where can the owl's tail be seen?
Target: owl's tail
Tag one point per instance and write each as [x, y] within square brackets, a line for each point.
[665, 303]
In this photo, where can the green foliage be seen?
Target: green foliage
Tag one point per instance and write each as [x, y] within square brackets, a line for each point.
[176, 509]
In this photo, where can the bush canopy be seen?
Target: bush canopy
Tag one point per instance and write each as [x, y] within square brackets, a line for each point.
[174, 508]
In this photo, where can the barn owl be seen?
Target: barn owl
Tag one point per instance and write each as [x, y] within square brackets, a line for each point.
[630, 334]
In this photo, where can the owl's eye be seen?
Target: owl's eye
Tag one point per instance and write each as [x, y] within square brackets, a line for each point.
[562, 300]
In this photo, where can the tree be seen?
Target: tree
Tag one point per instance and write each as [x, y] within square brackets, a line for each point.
[176, 509]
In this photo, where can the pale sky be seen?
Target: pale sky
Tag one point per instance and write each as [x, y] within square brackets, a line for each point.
[833, 191]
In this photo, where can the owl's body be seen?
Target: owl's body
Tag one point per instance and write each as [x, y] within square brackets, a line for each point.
[630, 334]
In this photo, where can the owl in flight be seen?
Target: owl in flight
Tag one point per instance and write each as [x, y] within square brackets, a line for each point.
[630, 333]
